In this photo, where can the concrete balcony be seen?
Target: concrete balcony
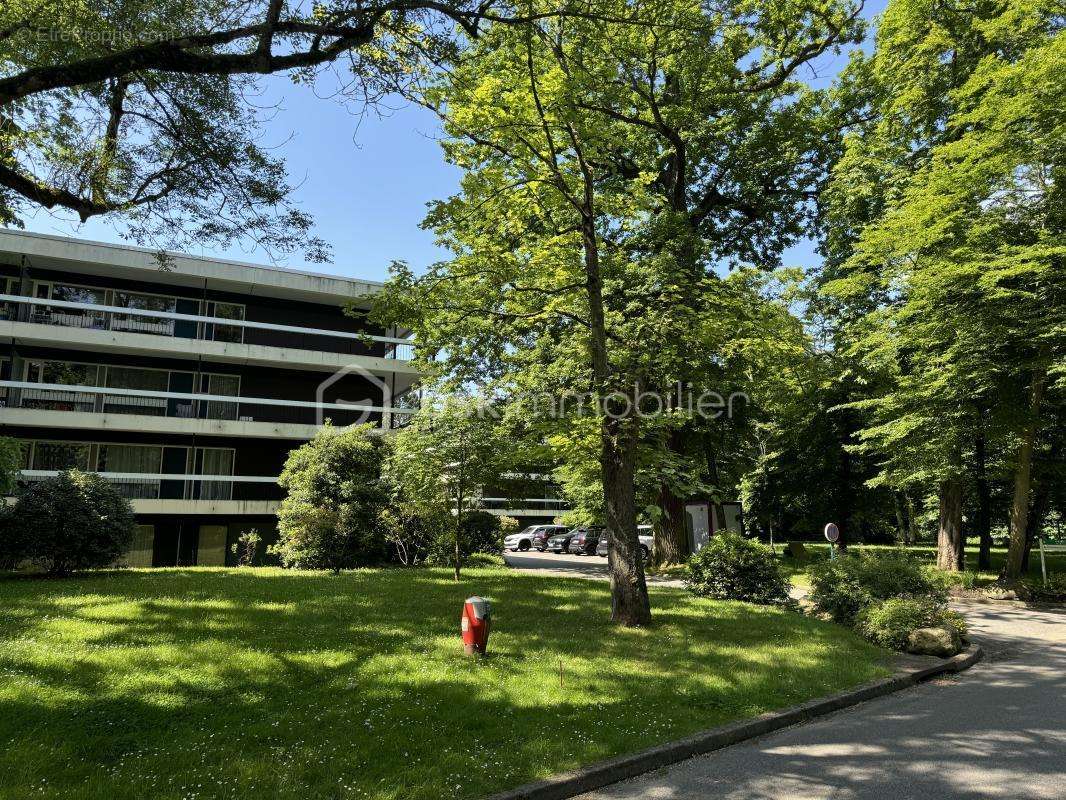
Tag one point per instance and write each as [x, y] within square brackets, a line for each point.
[140, 332]
[93, 408]
[208, 495]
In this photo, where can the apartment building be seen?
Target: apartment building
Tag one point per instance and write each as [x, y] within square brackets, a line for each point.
[184, 381]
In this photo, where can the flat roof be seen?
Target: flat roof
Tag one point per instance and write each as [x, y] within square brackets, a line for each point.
[84, 256]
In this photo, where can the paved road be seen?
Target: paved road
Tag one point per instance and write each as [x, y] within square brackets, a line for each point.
[996, 731]
[571, 566]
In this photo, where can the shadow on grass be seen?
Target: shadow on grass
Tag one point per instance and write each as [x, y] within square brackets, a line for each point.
[252, 683]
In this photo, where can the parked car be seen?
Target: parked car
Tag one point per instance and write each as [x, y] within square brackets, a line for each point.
[644, 536]
[535, 536]
[560, 541]
[583, 541]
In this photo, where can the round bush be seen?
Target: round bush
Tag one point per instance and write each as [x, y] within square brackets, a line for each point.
[844, 586]
[730, 567]
[74, 521]
[481, 533]
[890, 622]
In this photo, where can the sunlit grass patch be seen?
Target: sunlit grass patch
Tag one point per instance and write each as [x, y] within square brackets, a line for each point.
[270, 683]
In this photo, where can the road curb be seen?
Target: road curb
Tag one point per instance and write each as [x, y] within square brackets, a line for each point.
[604, 773]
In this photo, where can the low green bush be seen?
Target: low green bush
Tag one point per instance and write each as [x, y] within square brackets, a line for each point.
[730, 567]
[890, 622]
[844, 586]
[71, 522]
[481, 533]
[1034, 590]
[951, 580]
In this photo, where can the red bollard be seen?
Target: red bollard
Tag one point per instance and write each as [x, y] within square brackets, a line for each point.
[476, 623]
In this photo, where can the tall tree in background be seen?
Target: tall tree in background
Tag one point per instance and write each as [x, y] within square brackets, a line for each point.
[608, 165]
[949, 243]
[711, 122]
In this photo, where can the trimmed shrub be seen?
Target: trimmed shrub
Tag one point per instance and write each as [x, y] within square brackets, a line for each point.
[72, 522]
[889, 623]
[843, 587]
[730, 567]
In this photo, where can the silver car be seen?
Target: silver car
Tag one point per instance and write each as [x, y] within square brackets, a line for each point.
[535, 536]
[644, 536]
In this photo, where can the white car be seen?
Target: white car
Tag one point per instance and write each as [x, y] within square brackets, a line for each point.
[644, 536]
[535, 536]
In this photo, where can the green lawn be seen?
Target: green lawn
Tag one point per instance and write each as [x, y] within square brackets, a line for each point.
[265, 683]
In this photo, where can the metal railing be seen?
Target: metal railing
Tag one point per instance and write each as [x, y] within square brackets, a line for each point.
[168, 486]
[183, 405]
[95, 316]
[506, 503]
[165, 486]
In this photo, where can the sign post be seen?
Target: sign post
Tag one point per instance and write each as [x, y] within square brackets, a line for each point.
[832, 535]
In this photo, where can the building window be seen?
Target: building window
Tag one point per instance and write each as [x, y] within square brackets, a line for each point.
[222, 386]
[63, 374]
[227, 333]
[130, 458]
[144, 302]
[8, 310]
[70, 317]
[148, 380]
[134, 460]
[5, 375]
[59, 456]
[213, 461]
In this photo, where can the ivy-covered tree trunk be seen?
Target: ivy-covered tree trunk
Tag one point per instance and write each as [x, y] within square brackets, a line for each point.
[950, 551]
[1019, 517]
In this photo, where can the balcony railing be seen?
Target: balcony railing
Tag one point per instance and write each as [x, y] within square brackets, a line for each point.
[509, 503]
[94, 316]
[181, 405]
[140, 486]
[168, 486]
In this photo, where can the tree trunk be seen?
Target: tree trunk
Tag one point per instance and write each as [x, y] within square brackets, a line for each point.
[671, 536]
[983, 523]
[1019, 516]
[629, 591]
[458, 533]
[901, 522]
[630, 605]
[1037, 516]
[845, 497]
[912, 521]
[950, 551]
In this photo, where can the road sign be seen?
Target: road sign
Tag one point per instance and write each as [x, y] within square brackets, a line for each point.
[832, 532]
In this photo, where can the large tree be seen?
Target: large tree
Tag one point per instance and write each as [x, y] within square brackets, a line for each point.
[612, 159]
[949, 245]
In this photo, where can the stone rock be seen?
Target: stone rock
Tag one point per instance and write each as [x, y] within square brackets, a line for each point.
[942, 642]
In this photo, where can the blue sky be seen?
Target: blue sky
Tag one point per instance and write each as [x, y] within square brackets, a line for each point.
[366, 181]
